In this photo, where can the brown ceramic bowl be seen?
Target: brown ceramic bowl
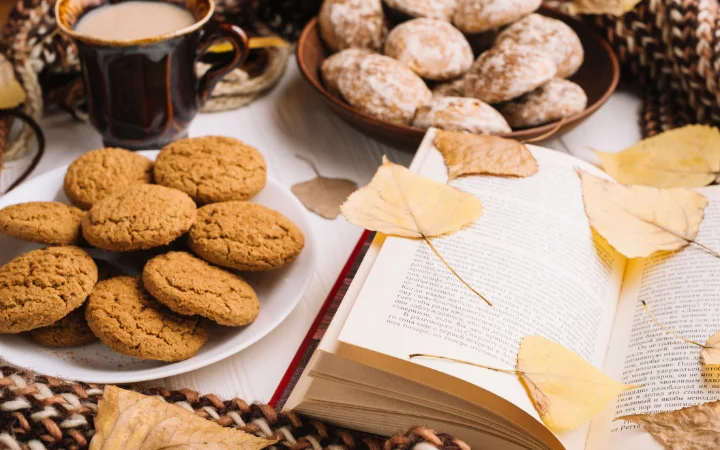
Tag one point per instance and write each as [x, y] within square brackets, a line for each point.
[598, 76]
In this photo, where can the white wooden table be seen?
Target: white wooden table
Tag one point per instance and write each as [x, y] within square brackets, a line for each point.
[292, 120]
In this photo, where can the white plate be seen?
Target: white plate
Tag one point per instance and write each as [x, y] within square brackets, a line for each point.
[279, 292]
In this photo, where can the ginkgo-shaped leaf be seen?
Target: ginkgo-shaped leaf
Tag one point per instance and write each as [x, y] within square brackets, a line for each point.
[613, 7]
[131, 421]
[400, 202]
[640, 220]
[566, 390]
[474, 154]
[693, 428]
[710, 354]
[12, 93]
[686, 157]
[323, 195]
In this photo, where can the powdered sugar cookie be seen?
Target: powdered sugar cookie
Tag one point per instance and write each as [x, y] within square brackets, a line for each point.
[454, 88]
[476, 16]
[506, 72]
[552, 36]
[461, 114]
[436, 9]
[333, 66]
[553, 100]
[431, 48]
[352, 23]
[384, 88]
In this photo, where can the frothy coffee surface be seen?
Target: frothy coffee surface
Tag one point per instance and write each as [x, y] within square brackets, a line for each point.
[133, 20]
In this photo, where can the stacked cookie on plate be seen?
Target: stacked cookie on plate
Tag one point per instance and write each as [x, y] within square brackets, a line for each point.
[186, 217]
[424, 71]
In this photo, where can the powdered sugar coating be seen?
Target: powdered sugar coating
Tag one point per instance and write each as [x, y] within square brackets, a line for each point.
[384, 88]
[506, 72]
[431, 48]
[553, 100]
[461, 114]
[333, 66]
[352, 24]
[436, 9]
[452, 88]
[476, 16]
[550, 35]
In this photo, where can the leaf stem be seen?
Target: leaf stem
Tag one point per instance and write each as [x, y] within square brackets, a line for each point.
[647, 310]
[706, 248]
[453, 270]
[310, 163]
[446, 358]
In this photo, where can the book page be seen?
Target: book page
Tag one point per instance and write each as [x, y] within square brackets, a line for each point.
[532, 254]
[681, 289]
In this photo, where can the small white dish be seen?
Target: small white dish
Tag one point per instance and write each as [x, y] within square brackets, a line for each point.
[279, 292]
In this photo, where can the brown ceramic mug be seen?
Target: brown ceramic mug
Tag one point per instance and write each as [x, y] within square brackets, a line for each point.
[143, 93]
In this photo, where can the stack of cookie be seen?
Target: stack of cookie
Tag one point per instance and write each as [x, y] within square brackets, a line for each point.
[427, 74]
[188, 211]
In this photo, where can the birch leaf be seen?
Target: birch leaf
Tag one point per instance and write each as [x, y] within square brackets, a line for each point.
[12, 93]
[323, 196]
[686, 157]
[693, 428]
[130, 421]
[710, 353]
[640, 220]
[566, 390]
[612, 7]
[471, 154]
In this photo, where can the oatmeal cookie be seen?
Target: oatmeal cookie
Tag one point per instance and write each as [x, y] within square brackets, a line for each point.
[189, 286]
[435, 9]
[384, 88]
[507, 72]
[461, 114]
[245, 236]
[41, 287]
[477, 16]
[431, 48]
[129, 321]
[51, 223]
[70, 331]
[100, 173]
[211, 169]
[333, 66]
[139, 218]
[352, 24]
[549, 35]
[552, 101]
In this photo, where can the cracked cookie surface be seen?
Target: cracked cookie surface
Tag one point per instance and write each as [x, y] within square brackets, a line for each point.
[211, 169]
[129, 321]
[189, 286]
[99, 173]
[51, 223]
[245, 236]
[41, 287]
[139, 218]
[70, 331]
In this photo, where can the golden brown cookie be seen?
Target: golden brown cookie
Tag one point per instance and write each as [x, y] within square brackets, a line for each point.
[461, 114]
[352, 24]
[190, 286]
[70, 331]
[139, 218]
[334, 65]
[477, 16]
[51, 223]
[129, 321]
[553, 100]
[431, 48]
[41, 287]
[211, 169]
[245, 236]
[99, 173]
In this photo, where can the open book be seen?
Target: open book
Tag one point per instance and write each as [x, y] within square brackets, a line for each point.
[534, 255]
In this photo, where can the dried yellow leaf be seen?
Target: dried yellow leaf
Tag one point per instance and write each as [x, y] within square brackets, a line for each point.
[323, 196]
[566, 390]
[692, 428]
[686, 157]
[612, 7]
[130, 421]
[472, 154]
[640, 220]
[710, 354]
[402, 203]
[12, 93]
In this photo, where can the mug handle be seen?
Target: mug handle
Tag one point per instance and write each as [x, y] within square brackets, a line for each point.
[239, 41]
